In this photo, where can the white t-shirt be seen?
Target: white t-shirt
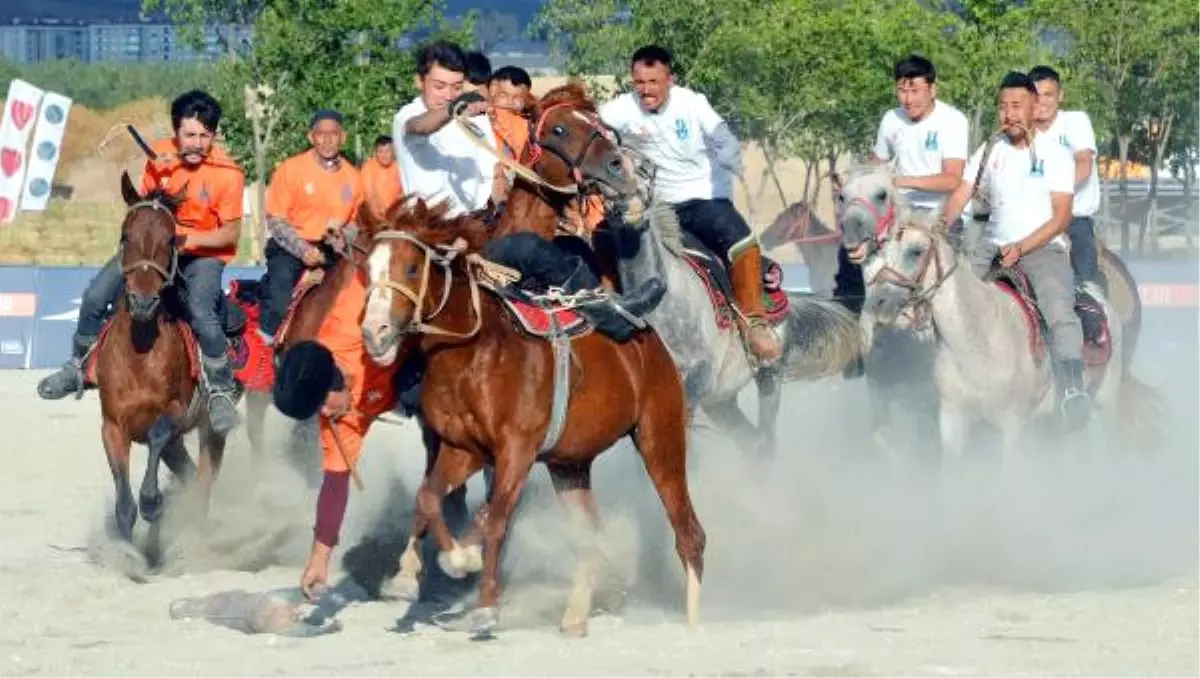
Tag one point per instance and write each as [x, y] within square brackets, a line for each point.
[446, 164]
[674, 140]
[917, 149]
[1019, 190]
[1073, 130]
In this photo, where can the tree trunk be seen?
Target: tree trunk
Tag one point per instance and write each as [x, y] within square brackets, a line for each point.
[1123, 189]
[1150, 223]
[977, 135]
[832, 159]
[771, 159]
[1189, 182]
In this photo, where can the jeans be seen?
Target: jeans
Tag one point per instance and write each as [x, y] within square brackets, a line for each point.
[283, 272]
[102, 290]
[202, 280]
[716, 223]
[1082, 232]
[1049, 273]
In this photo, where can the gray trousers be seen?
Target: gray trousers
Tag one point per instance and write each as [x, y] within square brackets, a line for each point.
[1049, 271]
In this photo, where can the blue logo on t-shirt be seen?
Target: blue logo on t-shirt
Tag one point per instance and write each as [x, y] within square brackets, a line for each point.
[931, 141]
[681, 129]
[1038, 169]
[1062, 139]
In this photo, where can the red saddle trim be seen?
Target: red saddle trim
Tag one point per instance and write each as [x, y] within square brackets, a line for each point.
[536, 320]
[189, 340]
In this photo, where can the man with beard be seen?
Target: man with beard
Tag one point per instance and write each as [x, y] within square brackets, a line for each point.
[1031, 195]
[311, 198]
[208, 227]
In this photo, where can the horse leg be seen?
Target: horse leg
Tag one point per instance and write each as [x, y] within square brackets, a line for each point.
[116, 447]
[212, 453]
[452, 468]
[513, 463]
[731, 421]
[150, 499]
[256, 415]
[573, 485]
[661, 440]
[954, 428]
[770, 397]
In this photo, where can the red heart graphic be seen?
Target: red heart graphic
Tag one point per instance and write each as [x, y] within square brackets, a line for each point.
[5, 209]
[22, 113]
[10, 161]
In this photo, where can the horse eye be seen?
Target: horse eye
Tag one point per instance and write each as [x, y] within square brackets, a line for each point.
[412, 270]
[914, 252]
[559, 131]
[880, 195]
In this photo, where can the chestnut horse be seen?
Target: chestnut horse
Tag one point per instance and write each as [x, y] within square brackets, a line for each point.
[147, 366]
[496, 395]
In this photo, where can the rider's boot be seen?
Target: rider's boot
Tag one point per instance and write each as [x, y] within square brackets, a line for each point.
[222, 394]
[621, 316]
[1076, 404]
[747, 277]
[69, 378]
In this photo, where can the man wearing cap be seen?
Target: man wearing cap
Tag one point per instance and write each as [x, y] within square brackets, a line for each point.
[312, 195]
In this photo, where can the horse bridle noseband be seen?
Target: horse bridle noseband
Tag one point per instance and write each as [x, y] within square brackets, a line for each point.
[168, 276]
[919, 298]
[442, 256]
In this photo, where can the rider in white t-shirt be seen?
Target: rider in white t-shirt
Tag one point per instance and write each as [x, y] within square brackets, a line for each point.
[438, 160]
[696, 158]
[1072, 130]
[1031, 195]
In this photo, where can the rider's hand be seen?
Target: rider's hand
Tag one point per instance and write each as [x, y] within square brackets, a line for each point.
[337, 403]
[1011, 254]
[316, 572]
[335, 237]
[469, 104]
[313, 257]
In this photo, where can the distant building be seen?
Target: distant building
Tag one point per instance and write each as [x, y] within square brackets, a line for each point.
[534, 57]
[111, 42]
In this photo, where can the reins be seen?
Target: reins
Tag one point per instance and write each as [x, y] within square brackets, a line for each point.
[442, 256]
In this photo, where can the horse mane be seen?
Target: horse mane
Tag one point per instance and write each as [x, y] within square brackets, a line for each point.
[662, 218]
[431, 225]
[573, 94]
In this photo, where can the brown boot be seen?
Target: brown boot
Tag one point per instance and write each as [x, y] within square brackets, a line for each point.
[748, 293]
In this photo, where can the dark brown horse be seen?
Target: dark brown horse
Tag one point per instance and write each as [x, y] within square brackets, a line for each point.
[147, 366]
[497, 395]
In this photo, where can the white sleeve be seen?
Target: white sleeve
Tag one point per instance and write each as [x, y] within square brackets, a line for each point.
[708, 118]
[882, 150]
[1060, 170]
[957, 138]
[614, 113]
[1080, 134]
[398, 134]
[972, 167]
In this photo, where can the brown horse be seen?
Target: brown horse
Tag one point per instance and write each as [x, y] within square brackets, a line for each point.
[496, 395]
[147, 366]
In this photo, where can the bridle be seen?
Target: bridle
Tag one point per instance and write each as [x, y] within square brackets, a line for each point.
[168, 276]
[442, 256]
[919, 296]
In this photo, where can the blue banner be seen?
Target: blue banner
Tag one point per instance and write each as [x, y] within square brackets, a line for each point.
[40, 305]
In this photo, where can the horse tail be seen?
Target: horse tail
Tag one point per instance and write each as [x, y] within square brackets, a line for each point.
[822, 338]
[1137, 413]
[1131, 326]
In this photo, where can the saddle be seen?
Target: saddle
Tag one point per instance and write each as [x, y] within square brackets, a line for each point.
[1097, 342]
[714, 272]
[541, 315]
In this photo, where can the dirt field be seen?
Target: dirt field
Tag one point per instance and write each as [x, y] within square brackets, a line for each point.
[819, 563]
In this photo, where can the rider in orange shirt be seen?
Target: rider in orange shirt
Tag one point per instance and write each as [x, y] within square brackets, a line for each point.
[335, 376]
[311, 195]
[381, 176]
[208, 227]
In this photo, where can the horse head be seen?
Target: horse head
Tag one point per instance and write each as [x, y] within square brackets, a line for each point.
[413, 256]
[147, 252]
[908, 267]
[570, 145]
[867, 205]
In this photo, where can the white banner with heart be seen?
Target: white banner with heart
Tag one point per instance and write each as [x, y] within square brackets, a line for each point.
[20, 109]
[45, 151]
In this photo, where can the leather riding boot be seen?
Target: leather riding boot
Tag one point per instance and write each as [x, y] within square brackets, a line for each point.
[222, 394]
[69, 378]
[747, 290]
[620, 316]
[1076, 403]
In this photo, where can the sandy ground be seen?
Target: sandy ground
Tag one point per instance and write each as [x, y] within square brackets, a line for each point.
[819, 563]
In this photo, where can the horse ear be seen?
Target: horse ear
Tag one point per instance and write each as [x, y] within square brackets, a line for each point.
[368, 220]
[128, 192]
[835, 179]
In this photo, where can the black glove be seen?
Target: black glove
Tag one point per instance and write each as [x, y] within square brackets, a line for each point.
[459, 105]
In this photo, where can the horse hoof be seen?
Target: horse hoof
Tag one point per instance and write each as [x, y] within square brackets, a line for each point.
[481, 621]
[460, 561]
[402, 588]
[574, 629]
[151, 506]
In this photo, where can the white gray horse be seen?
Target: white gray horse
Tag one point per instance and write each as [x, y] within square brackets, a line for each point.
[819, 337]
[985, 368]
[897, 360]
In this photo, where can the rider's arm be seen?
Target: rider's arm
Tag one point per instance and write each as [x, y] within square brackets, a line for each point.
[1083, 139]
[881, 153]
[279, 201]
[954, 156]
[722, 144]
[1059, 171]
[426, 123]
[953, 207]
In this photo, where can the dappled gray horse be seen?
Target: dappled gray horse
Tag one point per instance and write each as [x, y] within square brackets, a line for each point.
[819, 337]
